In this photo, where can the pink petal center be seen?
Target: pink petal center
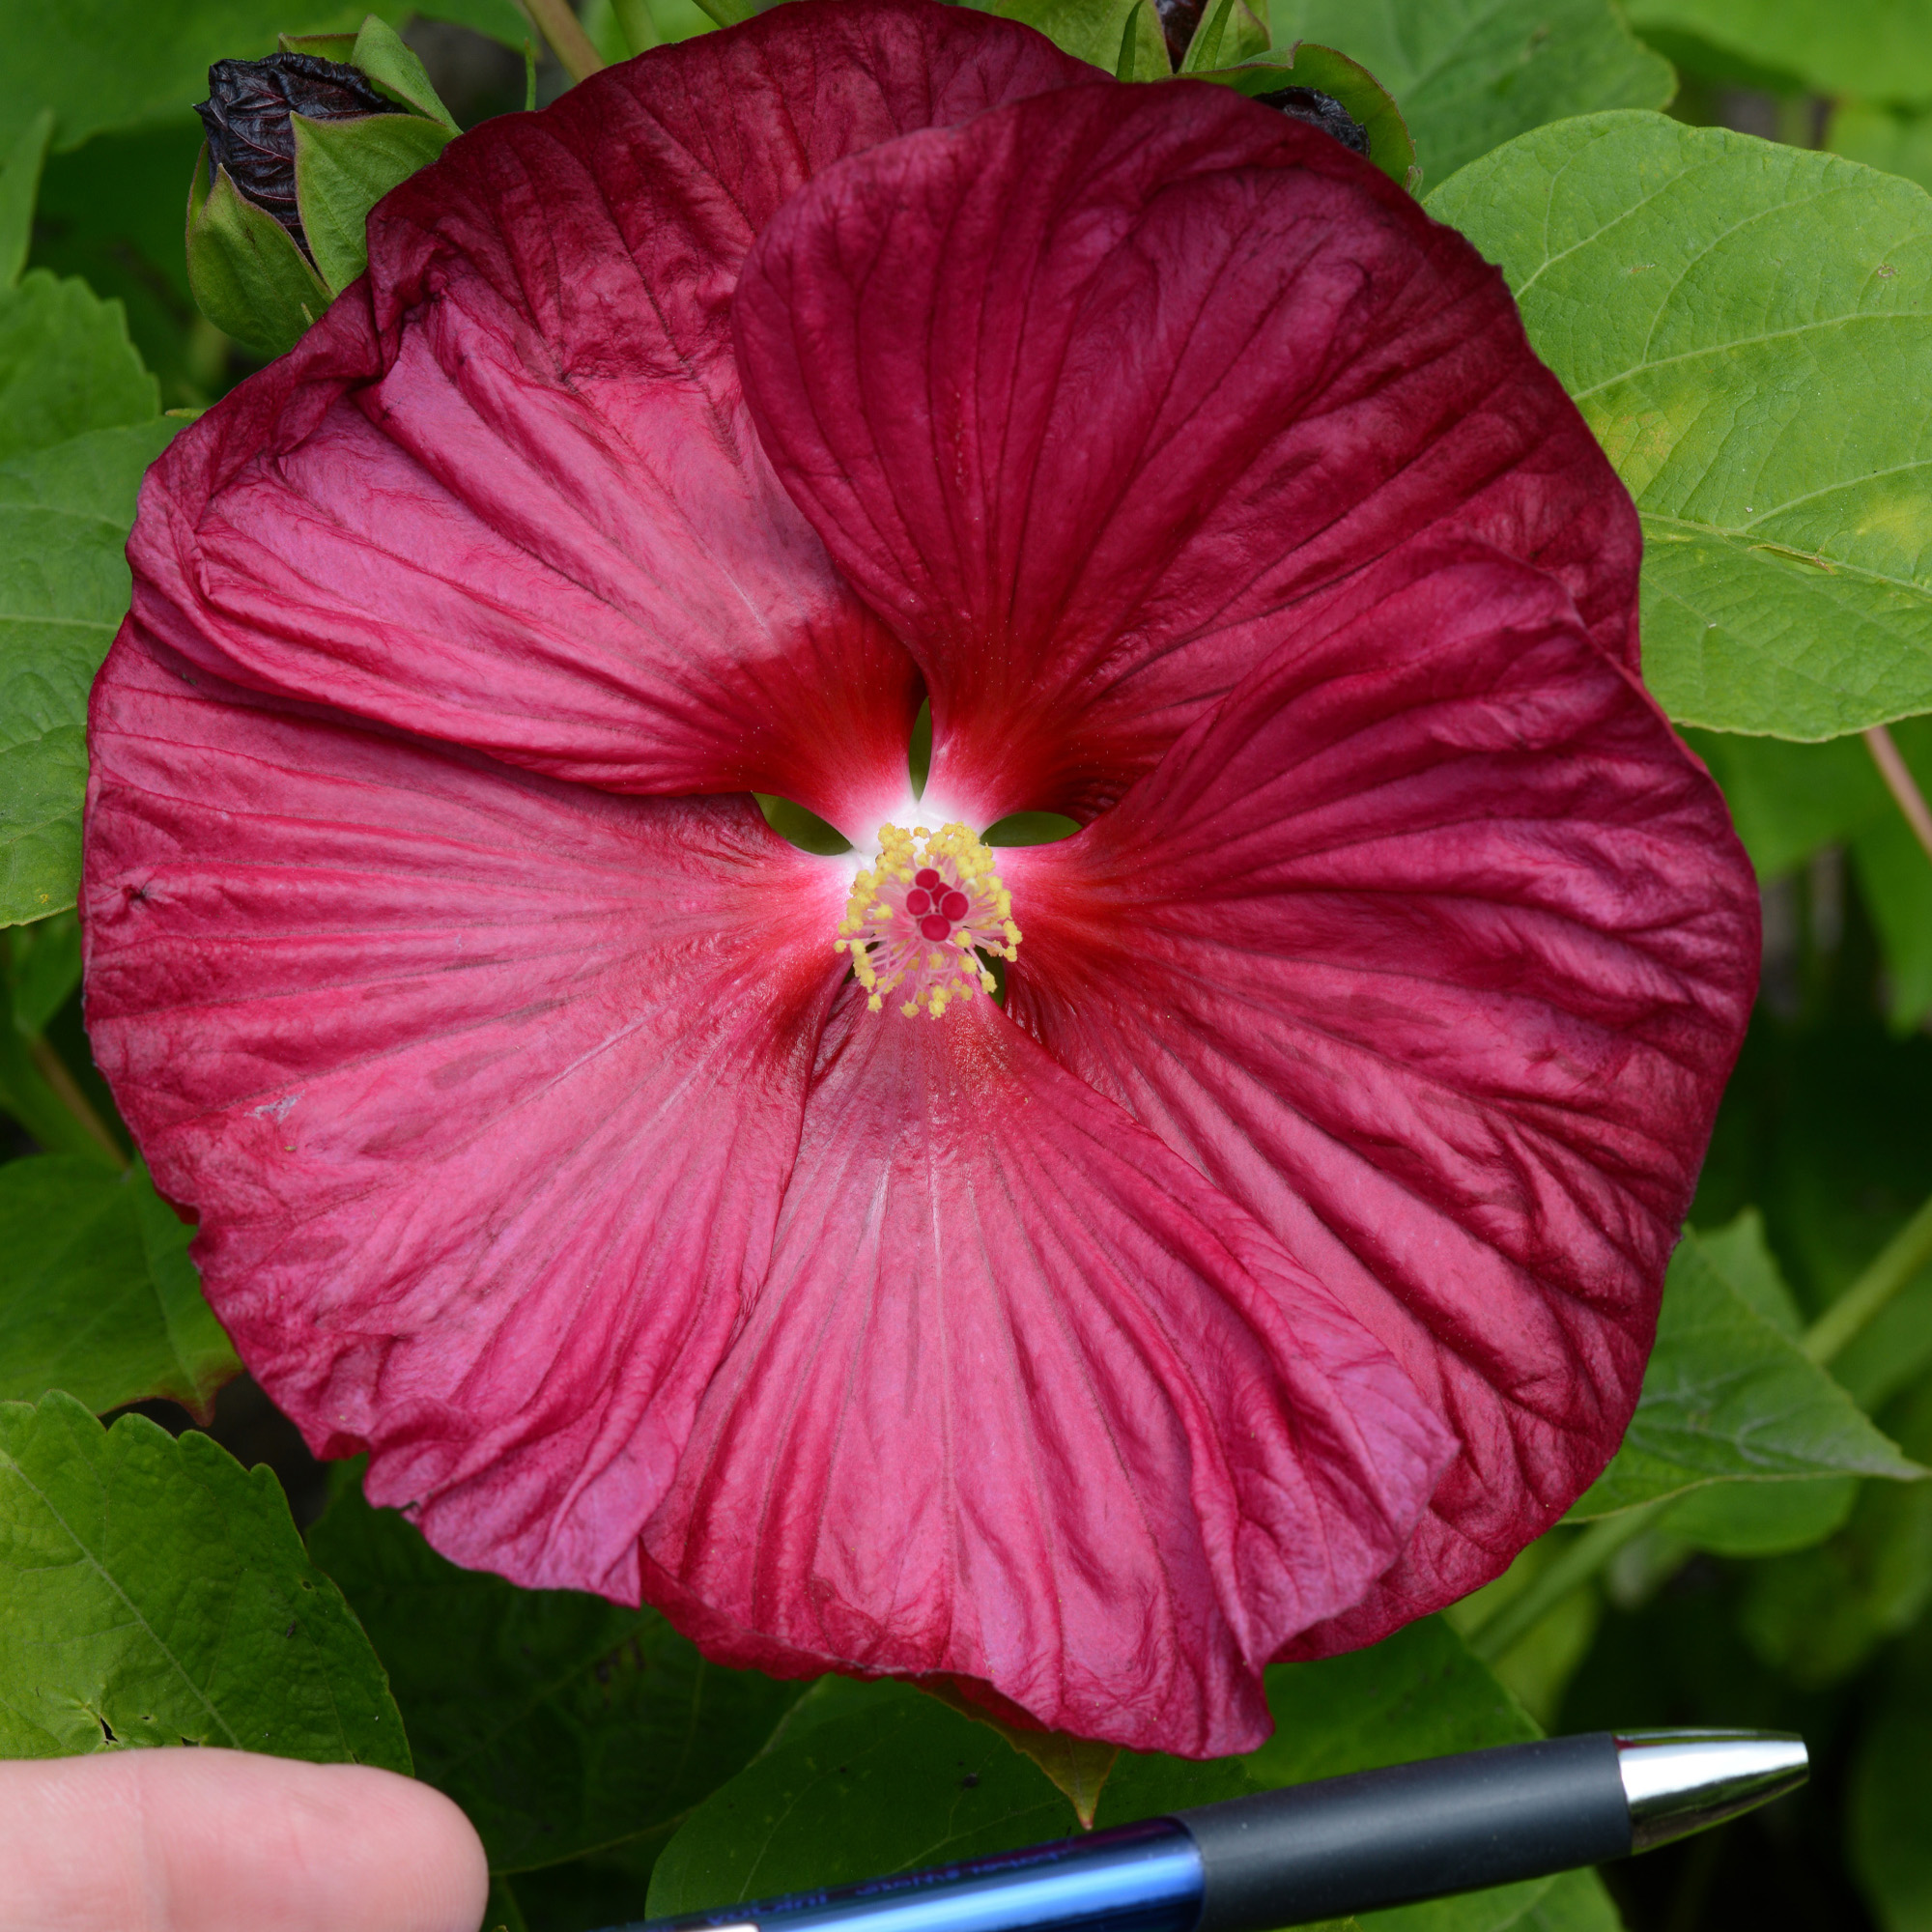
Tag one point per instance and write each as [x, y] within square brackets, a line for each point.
[921, 913]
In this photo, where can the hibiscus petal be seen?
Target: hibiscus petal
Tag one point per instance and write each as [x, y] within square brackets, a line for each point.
[507, 493]
[484, 1090]
[1433, 949]
[1024, 1402]
[1097, 397]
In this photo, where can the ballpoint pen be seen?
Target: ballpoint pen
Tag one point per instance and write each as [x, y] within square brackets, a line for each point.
[1325, 1848]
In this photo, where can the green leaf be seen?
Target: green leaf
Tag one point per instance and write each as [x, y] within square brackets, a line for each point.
[1817, 1615]
[99, 1297]
[867, 1780]
[343, 168]
[561, 1723]
[27, 1097]
[1899, 143]
[1536, 1670]
[1577, 1903]
[863, 1780]
[1341, 80]
[66, 366]
[20, 188]
[152, 1591]
[1788, 800]
[1727, 1398]
[1472, 73]
[248, 276]
[1741, 1256]
[1090, 30]
[64, 514]
[1747, 328]
[1874, 47]
[1228, 33]
[1761, 1519]
[42, 969]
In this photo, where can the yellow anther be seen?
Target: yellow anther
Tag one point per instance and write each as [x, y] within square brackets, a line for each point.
[887, 940]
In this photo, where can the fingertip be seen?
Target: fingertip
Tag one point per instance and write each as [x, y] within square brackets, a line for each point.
[228, 1841]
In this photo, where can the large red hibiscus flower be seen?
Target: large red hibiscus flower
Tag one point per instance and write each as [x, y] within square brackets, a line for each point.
[1285, 1253]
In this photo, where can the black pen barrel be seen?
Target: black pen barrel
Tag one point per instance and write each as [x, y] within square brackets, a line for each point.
[1413, 1831]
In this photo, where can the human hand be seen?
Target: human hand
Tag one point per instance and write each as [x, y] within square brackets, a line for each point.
[229, 1841]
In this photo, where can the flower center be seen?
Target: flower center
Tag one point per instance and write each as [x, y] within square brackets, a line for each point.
[920, 918]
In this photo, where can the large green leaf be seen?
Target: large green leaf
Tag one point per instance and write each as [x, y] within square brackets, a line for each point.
[1881, 49]
[152, 1591]
[99, 1297]
[66, 366]
[1471, 73]
[1747, 328]
[19, 189]
[561, 1723]
[868, 1779]
[64, 518]
[1728, 1398]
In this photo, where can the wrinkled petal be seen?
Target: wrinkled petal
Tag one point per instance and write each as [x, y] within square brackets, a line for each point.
[483, 1089]
[1102, 396]
[506, 493]
[1433, 949]
[1023, 1403]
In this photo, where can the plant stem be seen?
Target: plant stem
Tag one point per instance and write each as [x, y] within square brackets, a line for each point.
[1895, 1264]
[1904, 788]
[639, 30]
[1572, 1567]
[54, 1070]
[568, 41]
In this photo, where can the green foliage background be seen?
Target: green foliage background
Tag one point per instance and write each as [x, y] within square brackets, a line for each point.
[1737, 293]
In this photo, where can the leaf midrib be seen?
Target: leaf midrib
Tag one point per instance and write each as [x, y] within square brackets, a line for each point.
[100, 1570]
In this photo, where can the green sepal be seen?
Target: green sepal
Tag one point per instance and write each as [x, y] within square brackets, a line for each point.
[337, 47]
[1143, 47]
[385, 58]
[248, 276]
[1231, 31]
[1369, 103]
[343, 168]
[19, 190]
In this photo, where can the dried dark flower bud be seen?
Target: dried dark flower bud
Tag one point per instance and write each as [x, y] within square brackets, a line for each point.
[246, 116]
[1319, 110]
[1178, 19]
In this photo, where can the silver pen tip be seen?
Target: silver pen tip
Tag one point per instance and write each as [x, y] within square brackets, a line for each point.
[1677, 1782]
